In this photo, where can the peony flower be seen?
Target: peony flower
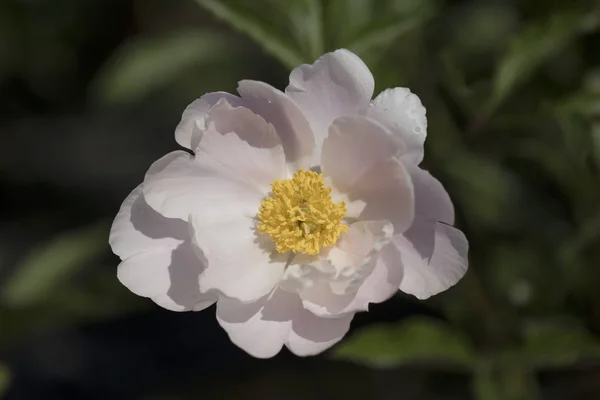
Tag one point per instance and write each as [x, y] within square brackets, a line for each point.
[292, 210]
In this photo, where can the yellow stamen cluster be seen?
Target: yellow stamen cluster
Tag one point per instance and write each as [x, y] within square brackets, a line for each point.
[300, 216]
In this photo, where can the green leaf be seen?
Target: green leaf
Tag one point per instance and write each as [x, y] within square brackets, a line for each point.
[257, 20]
[578, 116]
[147, 63]
[575, 126]
[50, 265]
[416, 340]
[99, 296]
[490, 192]
[586, 104]
[91, 300]
[307, 19]
[570, 174]
[596, 141]
[5, 379]
[345, 18]
[558, 345]
[302, 21]
[534, 45]
[504, 377]
[389, 24]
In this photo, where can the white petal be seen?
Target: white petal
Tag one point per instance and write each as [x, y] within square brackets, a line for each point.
[169, 276]
[198, 186]
[262, 327]
[355, 254]
[320, 300]
[185, 271]
[359, 156]
[434, 257]
[337, 84]
[343, 267]
[354, 145]
[363, 239]
[403, 113]
[432, 202]
[167, 302]
[244, 144]
[312, 335]
[304, 272]
[378, 287]
[188, 132]
[387, 191]
[230, 173]
[158, 260]
[383, 282]
[137, 228]
[289, 122]
[241, 263]
[146, 274]
[362, 277]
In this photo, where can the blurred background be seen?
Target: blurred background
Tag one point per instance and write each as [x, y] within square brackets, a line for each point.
[90, 94]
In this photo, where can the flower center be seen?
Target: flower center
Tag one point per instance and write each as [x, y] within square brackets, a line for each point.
[300, 215]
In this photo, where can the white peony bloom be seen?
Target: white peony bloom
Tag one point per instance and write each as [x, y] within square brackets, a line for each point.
[293, 211]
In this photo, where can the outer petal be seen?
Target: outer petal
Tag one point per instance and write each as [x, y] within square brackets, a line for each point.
[433, 254]
[222, 196]
[167, 302]
[403, 113]
[433, 261]
[262, 327]
[146, 274]
[198, 186]
[158, 260]
[312, 335]
[189, 130]
[241, 263]
[289, 122]
[170, 277]
[243, 143]
[337, 84]
[432, 202]
[138, 228]
[359, 158]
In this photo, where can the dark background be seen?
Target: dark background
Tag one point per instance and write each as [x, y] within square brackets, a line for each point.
[90, 93]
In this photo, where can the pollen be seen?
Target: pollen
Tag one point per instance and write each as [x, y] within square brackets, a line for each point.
[300, 216]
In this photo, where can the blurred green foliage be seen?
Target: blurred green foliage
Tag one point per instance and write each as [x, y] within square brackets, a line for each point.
[4, 379]
[145, 64]
[43, 271]
[512, 90]
[416, 340]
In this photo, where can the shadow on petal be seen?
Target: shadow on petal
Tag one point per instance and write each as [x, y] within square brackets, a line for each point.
[185, 265]
[233, 311]
[320, 330]
[264, 242]
[327, 303]
[431, 269]
[153, 225]
[422, 237]
[392, 266]
[281, 306]
[184, 272]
